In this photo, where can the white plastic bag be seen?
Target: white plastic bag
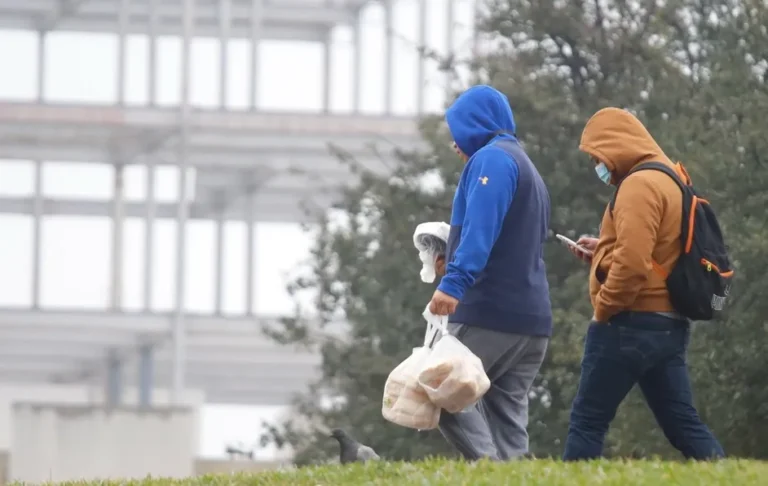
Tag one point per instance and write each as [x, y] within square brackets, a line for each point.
[405, 402]
[430, 239]
[452, 376]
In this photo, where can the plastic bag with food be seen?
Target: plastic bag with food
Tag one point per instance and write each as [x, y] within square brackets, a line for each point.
[405, 402]
[451, 375]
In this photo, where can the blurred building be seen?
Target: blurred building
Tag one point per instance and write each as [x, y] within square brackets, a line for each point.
[95, 393]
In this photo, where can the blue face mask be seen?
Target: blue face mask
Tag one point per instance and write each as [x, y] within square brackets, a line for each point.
[603, 173]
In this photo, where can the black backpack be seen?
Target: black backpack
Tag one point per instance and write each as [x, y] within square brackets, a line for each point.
[700, 280]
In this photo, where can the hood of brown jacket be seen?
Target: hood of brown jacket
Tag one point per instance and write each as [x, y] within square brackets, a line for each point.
[617, 138]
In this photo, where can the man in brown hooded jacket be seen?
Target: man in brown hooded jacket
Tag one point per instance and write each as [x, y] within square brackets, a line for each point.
[635, 337]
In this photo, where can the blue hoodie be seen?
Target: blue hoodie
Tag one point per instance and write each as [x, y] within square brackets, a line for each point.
[499, 222]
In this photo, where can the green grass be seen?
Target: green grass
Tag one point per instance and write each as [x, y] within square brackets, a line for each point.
[522, 473]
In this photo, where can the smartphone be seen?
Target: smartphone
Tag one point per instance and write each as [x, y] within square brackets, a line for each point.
[572, 243]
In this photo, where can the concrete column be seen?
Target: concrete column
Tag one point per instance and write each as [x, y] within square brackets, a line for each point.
[327, 73]
[357, 65]
[149, 236]
[37, 234]
[224, 26]
[475, 32]
[123, 22]
[421, 76]
[146, 375]
[256, 23]
[42, 37]
[389, 56]
[118, 220]
[114, 395]
[152, 57]
[450, 45]
[249, 253]
[219, 253]
[179, 331]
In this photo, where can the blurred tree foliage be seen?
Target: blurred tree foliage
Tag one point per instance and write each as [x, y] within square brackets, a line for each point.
[695, 72]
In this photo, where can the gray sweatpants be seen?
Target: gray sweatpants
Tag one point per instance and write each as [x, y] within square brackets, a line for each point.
[495, 428]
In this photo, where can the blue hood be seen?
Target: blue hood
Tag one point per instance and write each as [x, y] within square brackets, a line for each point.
[477, 116]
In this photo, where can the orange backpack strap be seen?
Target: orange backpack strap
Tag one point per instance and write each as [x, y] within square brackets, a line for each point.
[683, 173]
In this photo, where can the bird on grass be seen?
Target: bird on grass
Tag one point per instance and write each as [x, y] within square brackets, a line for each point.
[351, 450]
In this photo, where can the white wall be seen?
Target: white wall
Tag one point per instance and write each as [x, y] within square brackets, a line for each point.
[79, 442]
[72, 394]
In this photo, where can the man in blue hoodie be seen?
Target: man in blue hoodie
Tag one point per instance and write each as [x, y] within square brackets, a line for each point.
[495, 284]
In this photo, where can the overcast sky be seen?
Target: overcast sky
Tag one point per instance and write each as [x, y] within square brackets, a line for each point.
[82, 69]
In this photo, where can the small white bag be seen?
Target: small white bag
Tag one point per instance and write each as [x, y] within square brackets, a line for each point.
[430, 239]
[405, 402]
[452, 376]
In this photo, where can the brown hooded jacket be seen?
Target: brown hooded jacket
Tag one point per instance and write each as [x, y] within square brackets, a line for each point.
[640, 242]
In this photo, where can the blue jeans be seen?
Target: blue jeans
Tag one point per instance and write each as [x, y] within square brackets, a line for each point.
[648, 349]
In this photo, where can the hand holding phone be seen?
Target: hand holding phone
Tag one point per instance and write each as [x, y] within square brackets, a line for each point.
[586, 254]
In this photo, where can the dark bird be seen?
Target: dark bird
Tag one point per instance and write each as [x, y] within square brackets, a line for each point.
[351, 450]
[233, 452]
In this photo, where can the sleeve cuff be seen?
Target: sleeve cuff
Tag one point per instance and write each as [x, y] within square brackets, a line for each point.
[602, 314]
[449, 287]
